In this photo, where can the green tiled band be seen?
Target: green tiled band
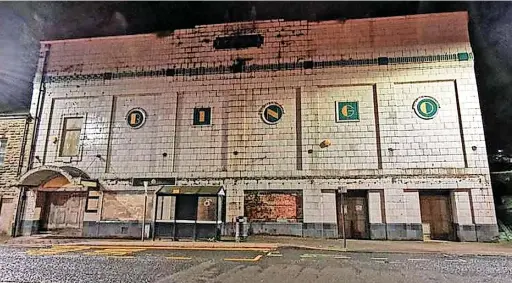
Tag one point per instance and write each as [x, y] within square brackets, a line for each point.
[238, 67]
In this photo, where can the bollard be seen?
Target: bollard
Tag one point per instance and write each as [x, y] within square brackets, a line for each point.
[237, 230]
[245, 228]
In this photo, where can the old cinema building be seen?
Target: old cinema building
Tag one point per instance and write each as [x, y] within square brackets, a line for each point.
[269, 119]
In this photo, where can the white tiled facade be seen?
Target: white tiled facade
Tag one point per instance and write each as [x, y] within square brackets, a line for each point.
[390, 151]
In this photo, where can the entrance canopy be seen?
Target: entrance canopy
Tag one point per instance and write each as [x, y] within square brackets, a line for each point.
[191, 190]
[39, 176]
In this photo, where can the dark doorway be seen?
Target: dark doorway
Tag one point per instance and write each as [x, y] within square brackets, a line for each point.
[186, 211]
[355, 210]
[436, 211]
[186, 207]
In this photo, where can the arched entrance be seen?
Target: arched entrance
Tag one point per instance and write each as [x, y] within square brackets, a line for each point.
[55, 201]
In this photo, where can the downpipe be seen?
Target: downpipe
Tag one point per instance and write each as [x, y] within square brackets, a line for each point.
[37, 121]
[39, 110]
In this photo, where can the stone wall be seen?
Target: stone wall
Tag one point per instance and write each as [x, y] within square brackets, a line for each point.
[12, 129]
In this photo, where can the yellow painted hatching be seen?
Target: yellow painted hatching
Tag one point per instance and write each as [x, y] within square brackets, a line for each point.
[57, 250]
[115, 251]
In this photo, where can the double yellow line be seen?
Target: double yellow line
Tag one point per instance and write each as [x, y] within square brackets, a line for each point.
[127, 252]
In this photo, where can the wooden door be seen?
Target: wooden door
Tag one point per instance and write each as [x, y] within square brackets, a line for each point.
[436, 211]
[356, 215]
[64, 210]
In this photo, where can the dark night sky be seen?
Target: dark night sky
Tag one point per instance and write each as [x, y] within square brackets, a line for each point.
[23, 24]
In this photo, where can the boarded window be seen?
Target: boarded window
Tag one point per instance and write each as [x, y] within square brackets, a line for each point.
[119, 206]
[3, 146]
[70, 140]
[93, 200]
[273, 206]
[207, 208]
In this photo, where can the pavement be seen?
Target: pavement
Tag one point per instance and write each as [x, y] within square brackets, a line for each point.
[4, 238]
[276, 242]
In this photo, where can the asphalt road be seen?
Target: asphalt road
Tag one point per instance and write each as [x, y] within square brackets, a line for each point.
[93, 264]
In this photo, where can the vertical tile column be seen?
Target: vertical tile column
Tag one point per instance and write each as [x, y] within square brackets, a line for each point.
[463, 216]
[376, 219]
[485, 215]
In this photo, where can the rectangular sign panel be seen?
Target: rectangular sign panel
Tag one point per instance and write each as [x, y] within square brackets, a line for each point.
[347, 111]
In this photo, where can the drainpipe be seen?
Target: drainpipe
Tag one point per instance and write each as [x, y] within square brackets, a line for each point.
[20, 207]
[23, 145]
[22, 189]
[37, 120]
[39, 109]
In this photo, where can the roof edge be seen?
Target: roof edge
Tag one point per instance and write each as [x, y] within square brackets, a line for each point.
[244, 22]
[14, 115]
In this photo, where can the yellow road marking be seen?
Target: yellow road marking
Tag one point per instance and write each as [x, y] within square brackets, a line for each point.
[336, 256]
[265, 250]
[417, 259]
[245, 259]
[56, 250]
[115, 252]
[276, 254]
[178, 257]
[124, 256]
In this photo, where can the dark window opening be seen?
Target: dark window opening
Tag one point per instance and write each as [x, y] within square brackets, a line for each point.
[238, 41]
[3, 147]
[186, 207]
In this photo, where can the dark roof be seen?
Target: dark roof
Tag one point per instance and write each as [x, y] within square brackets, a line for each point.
[8, 110]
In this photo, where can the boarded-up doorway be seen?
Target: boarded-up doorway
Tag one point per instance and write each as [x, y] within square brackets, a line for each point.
[436, 211]
[62, 212]
[356, 214]
[6, 214]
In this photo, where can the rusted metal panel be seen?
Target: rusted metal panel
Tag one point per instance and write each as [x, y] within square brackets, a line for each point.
[273, 206]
